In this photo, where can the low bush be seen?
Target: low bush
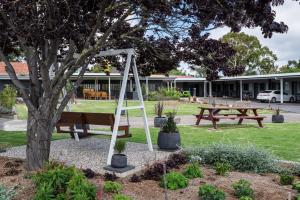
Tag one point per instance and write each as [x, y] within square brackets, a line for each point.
[8, 97]
[210, 192]
[110, 176]
[286, 179]
[242, 188]
[57, 181]
[135, 178]
[296, 170]
[240, 158]
[174, 181]
[193, 171]
[7, 194]
[296, 186]
[121, 197]
[222, 169]
[245, 198]
[112, 187]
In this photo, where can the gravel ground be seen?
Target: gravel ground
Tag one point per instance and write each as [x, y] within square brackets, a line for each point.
[92, 153]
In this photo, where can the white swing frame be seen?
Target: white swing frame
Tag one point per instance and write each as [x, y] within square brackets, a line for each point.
[130, 59]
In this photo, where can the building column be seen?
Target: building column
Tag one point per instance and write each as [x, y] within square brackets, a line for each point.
[241, 90]
[96, 85]
[267, 85]
[168, 86]
[109, 89]
[175, 84]
[130, 85]
[210, 89]
[205, 89]
[147, 87]
[281, 90]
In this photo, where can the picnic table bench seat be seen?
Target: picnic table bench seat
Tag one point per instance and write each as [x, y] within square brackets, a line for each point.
[78, 122]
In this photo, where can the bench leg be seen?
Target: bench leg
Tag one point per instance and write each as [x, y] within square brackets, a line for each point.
[214, 124]
[260, 124]
[199, 117]
[240, 121]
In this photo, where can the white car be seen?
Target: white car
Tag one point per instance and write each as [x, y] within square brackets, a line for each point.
[274, 96]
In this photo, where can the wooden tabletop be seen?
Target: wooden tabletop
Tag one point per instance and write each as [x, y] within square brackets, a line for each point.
[229, 108]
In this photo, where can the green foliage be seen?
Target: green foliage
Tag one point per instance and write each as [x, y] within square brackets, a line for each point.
[250, 53]
[8, 97]
[193, 171]
[170, 126]
[96, 69]
[291, 67]
[174, 181]
[245, 198]
[240, 158]
[7, 194]
[159, 108]
[177, 72]
[210, 192]
[296, 186]
[298, 197]
[61, 182]
[164, 94]
[112, 187]
[120, 146]
[185, 94]
[222, 169]
[121, 197]
[286, 178]
[242, 188]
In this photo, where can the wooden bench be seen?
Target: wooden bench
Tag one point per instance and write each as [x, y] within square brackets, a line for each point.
[78, 122]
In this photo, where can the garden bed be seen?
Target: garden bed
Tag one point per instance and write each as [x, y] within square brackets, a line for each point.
[265, 186]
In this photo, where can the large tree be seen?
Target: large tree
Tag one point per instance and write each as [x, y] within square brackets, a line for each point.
[291, 67]
[64, 36]
[250, 54]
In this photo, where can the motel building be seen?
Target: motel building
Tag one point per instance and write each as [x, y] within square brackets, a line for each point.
[237, 87]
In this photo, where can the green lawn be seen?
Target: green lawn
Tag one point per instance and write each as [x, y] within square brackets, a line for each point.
[280, 139]
[109, 107]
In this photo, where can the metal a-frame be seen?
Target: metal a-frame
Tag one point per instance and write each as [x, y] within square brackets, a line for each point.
[130, 61]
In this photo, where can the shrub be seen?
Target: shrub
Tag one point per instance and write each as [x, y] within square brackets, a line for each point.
[174, 181]
[242, 189]
[112, 187]
[240, 158]
[298, 197]
[193, 171]
[222, 169]
[8, 97]
[135, 178]
[159, 108]
[170, 125]
[296, 186]
[245, 198]
[185, 94]
[121, 197]
[57, 181]
[286, 179]
[120, 146]
[210, 192]
[7, 194]
[110, 177]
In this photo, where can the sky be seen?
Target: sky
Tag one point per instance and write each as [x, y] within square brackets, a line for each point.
[286, 46]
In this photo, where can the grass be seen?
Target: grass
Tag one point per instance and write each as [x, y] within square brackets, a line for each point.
[280, 139]
[110, 106]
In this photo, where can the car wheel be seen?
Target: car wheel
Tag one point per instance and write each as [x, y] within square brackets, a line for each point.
[273, 100]
[292, 99]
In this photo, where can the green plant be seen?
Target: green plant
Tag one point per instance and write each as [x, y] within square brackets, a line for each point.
[120, 146]
[298, 197]
[170, 126]
[185, 94]
[239, 157]
[245, 198]
[57, 181]
[286, 179]
[277, 111]
[112, 187]
[222, 169]
[296, 186]
[174, 181]
[210, 192]
[159, 108]
[193, 171]
[121, 197]
[242, 188]
[8, 97]
[7, 194]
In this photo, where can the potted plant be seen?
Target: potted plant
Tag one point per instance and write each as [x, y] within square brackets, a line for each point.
[119, 160]
[158, 109]
[169, 137]
[277, 117]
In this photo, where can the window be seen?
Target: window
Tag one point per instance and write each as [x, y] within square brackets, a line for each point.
[277, 92]
[262, 86]
[246, 86]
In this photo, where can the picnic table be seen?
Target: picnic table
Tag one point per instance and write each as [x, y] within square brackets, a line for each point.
[241, 113]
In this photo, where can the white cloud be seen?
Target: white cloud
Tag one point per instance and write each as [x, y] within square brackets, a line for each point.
[286, 46]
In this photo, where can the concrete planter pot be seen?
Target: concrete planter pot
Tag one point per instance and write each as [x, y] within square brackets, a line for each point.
[119, 161]
[277, 118]
[168, 141]
[159, 121]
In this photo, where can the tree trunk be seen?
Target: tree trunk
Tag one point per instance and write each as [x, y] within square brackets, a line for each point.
[39, 133]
